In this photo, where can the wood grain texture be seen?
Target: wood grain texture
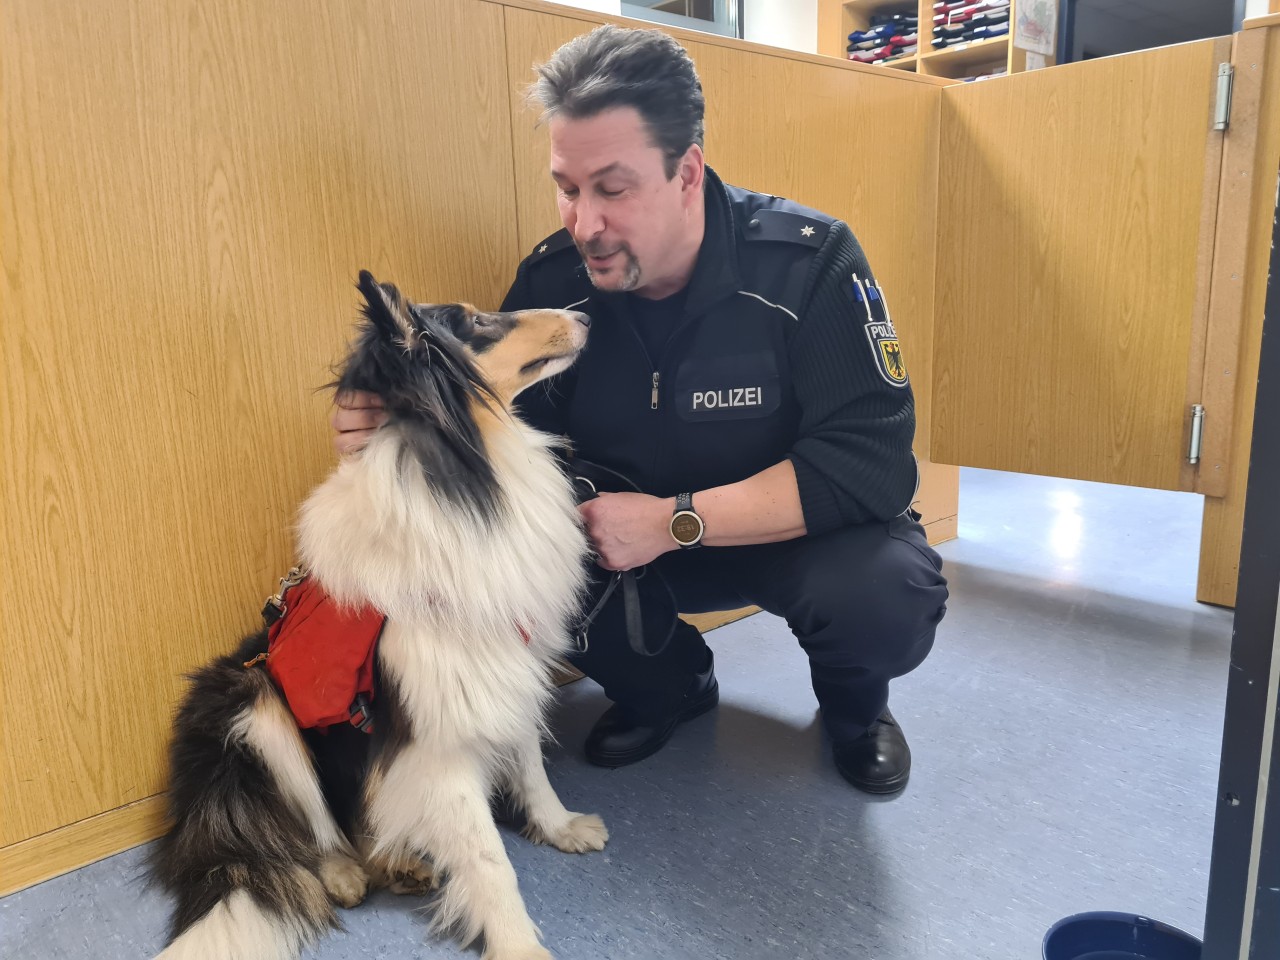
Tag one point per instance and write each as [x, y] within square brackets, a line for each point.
[942, 530]
[1238, 194]
[1067, 269]
[811, 149]
[188, 192]
[1224, 516]
[832, 37]
[79, 844]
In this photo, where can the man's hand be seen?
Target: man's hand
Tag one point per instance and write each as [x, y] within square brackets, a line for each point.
[356, 415]
[628, 530]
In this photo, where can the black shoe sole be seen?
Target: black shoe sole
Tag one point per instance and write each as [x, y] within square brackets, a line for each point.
[879, 788]
[693, 709]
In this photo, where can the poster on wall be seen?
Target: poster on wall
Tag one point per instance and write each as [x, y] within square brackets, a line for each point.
[1036, 28]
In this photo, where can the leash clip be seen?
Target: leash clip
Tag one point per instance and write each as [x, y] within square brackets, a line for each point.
[275, 607]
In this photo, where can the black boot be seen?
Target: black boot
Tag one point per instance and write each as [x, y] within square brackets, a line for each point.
[879, 761]
[620, 737]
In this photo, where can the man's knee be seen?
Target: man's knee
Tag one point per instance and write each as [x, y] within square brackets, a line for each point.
[874, 602]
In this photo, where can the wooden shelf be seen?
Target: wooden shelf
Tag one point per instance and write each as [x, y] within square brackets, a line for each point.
[963, 57]
[838, 18]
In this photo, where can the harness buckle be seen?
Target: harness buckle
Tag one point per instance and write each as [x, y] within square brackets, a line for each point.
[362, 714]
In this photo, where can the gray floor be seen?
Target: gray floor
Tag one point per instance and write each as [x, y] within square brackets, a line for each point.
[1066, 734]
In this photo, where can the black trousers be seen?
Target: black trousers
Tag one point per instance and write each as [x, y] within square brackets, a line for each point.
[864, 602]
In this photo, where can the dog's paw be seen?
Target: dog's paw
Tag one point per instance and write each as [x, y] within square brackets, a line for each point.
[406, 874]
[531, 952]
[581, 833]
[414, 880]
[344, 879]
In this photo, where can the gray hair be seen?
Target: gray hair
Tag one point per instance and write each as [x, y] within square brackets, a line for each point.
[616, 67]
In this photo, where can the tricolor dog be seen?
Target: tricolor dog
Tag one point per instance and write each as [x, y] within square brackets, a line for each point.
[454, 538]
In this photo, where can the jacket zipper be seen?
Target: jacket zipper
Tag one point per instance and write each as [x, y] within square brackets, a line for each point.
[655, 375]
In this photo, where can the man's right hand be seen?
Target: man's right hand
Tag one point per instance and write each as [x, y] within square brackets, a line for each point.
[356, 415]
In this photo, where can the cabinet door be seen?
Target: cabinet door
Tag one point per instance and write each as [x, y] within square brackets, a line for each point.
[1076, 219]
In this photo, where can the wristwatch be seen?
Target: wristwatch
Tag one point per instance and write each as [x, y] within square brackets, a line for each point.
[687, 527]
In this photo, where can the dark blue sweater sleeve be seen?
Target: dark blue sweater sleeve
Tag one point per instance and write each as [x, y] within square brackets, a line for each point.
[853, 457]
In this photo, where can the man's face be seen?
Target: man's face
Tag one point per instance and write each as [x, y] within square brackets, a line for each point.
[625, 215]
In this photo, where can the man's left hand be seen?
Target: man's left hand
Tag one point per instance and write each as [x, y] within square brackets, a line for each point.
[628, 530]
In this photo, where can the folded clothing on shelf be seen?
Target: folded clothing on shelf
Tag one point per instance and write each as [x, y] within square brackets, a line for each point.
[948, 35]
[891, 36]
[897, 19]
[983, 10]
[882, 54]
[881, 33]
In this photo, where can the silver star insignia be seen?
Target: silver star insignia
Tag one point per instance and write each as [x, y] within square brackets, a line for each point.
[543, 248]
[806, 231]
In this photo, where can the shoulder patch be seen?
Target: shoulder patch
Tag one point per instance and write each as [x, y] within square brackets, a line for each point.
[886, 351]
[552, 244]
[786, 227]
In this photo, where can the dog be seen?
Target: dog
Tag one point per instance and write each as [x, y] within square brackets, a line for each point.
[457, 526]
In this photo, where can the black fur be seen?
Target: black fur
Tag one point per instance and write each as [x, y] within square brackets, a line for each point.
[343, 754]
[229, 829]
[428, 383]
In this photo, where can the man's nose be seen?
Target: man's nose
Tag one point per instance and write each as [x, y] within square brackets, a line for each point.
[588, 222]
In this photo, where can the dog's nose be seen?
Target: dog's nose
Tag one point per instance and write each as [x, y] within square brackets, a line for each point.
[582, 318]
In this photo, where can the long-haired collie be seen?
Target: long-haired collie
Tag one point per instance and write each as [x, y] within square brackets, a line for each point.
[456, 525]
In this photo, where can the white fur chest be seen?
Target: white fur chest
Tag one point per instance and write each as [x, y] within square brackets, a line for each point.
[457, 590]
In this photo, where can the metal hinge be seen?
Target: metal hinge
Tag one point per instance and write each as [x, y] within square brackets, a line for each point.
[1197, 433]
[1222, 106]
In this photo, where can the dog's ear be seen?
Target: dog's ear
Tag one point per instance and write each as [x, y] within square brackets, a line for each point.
[434, 319]
[387, 309]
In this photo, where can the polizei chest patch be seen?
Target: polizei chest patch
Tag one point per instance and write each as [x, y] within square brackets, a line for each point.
[881, 336]
[726, 398]
[741, 386]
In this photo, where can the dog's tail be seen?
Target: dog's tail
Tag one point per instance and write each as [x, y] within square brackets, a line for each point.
[244, 852]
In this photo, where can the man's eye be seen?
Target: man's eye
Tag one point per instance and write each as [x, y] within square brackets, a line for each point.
[569, 194]
[610, 193]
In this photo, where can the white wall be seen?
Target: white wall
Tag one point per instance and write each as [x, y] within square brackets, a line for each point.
[782, 23]
[603, 6]
[1255, 8]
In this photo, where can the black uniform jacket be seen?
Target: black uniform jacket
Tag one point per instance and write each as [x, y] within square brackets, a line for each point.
[786, 349]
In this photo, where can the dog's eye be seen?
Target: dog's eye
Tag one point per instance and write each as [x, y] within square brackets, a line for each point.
[483, 322]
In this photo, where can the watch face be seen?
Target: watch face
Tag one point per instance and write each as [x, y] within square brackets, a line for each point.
[686, 528]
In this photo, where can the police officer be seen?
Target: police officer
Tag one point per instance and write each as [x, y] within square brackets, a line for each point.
[744, 373]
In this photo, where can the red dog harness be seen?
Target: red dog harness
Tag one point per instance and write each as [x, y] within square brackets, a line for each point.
[321, 654]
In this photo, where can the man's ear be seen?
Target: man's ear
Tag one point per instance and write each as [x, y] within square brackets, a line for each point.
[692, 173]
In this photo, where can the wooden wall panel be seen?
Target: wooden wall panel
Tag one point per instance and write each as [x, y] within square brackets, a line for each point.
[1257, 63]
[811, 131]
[187, 193]
[1070, 267]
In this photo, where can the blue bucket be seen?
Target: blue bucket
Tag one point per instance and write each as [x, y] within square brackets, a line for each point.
[1117, 936]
